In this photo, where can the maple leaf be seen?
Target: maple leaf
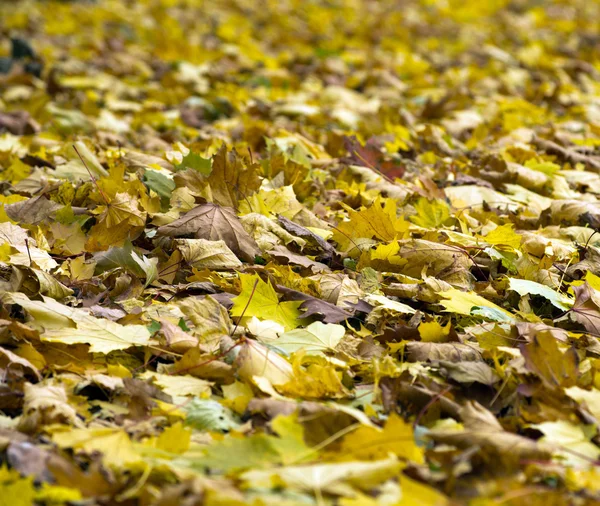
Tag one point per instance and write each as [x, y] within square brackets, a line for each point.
[316, 308]
[544, 357]
[430, 213]
[114, 444]
[126, 258]
[179, 387]
[334, 478]
[586, 309]
[369, 443]
[46, 404]
[482, 430]
[230, 179]
[207, 414]
[68, 325]
[123, 207]
[203, 254]
[315, 339]
[468, 304]
[526, 287]
[259, 299]
[376, 221]
[15, 490]
[371, 155]
[573, 441]
[213, 223]
[258, 363]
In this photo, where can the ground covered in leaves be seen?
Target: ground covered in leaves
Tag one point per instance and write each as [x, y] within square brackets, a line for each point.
[299, 252]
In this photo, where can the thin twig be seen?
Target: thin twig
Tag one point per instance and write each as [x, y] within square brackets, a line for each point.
[91, 175]
[28, 252]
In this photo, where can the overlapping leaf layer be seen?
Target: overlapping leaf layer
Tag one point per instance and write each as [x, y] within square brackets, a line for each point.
[300, 252]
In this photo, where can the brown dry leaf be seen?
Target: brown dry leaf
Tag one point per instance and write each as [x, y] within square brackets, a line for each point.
[231, 180]
[453, 352]
[11, 363]
[482, 430]
[316, 308]
[214, 223]
[468, 372]
[441, 261]
[46, 404]
[176, 339]
[586, 309]
[32, 211]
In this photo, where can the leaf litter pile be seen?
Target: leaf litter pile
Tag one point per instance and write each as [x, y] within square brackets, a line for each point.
[300, 252]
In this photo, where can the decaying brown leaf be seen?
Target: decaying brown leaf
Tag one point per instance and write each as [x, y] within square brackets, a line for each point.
[213, 222]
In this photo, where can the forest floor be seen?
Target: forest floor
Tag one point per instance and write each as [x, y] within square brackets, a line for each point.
[297, 252]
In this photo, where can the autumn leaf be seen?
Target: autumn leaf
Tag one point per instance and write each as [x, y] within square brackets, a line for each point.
[376, 221]
[471, 304]
[554, 366]
[231, 180]
[316, 338]
[213, 223]
[430, 214]
[339, 479]
[526, 287]
[258, 298]
[370, 443]
[197, 162]
[114, 444]
[68, 325]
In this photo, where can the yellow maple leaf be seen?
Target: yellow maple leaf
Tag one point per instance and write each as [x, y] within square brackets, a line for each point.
[370, 443]
[114, 444]
[385, 257]
[431, 213]
[124, 207]
[174, 439]
[262, 301]
[378, 221]
[504, 235]
[14, 490]
[469, 304]
[433, 332]
[419, 494]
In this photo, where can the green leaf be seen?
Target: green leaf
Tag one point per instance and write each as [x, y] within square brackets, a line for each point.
[208, 414]
[196, 162]
[161, 184]
[126, 258]
[525, 287]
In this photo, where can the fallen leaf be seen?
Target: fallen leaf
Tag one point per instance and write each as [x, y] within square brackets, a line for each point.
[45, 404]
[316, 339]
[369, 443]
[259, 299]
[67, 325]
[214, 223]
[483, 432]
